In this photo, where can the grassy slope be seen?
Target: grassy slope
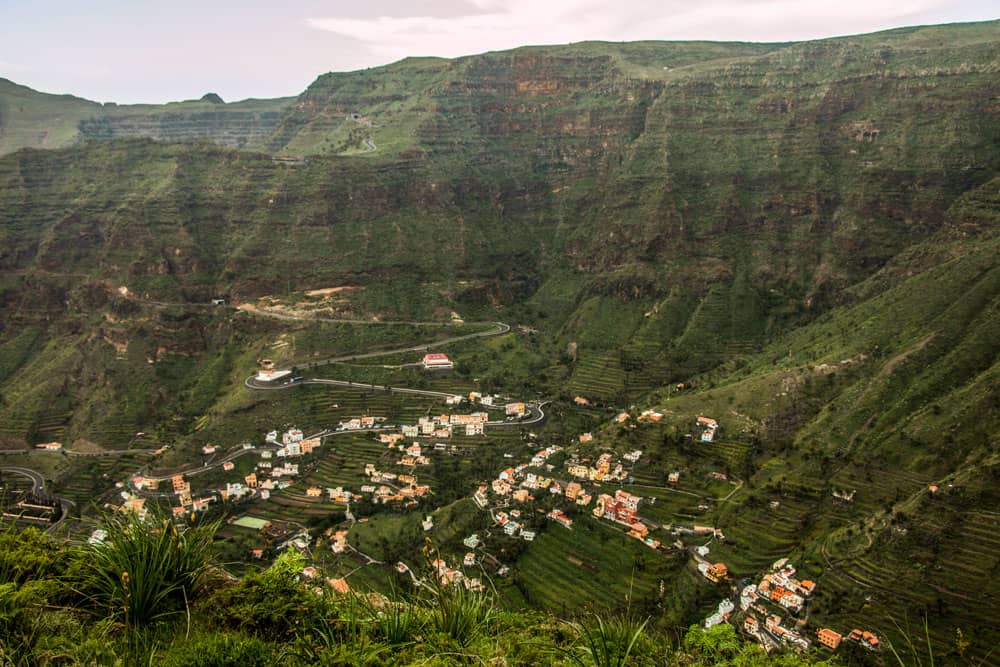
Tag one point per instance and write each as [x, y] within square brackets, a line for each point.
[31, 119]
[883, 397]
[657, 262]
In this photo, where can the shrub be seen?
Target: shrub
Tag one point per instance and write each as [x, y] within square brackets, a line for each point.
[396, 622]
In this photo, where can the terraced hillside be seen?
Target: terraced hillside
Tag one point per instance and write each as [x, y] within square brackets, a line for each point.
[30, 119]
[797, 239]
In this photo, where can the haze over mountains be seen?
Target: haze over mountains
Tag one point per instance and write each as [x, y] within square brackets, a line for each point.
[806, 232]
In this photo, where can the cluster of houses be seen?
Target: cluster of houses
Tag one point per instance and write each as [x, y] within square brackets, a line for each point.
[767, 603]
[488, 400]
[360, 423]
[510, 479]
[132, 503]
[604, 469]
[781, 587]
[650, 416]
[274, 471]
[390, 487]
[622, 508]
[721, 614]
[338, 540]
[413, 454]
[833, 639]
[644, 416]
[180, 487]
[714, 572]
[513, 526]
[518, 482]
[445, 426]
[454, 576]
[292, 443]
[337, 494]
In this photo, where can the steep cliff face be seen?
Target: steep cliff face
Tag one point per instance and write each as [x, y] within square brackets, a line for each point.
[775, 175]
[828, 158]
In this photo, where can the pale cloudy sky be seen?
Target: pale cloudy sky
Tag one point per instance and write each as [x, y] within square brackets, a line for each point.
[161, 50]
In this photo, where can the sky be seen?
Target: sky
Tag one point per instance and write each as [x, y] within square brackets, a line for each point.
[130, 51]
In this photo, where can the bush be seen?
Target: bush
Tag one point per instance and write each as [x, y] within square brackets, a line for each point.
[397, 623]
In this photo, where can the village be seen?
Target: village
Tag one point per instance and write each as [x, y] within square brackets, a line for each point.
[278, 466]
[771, 608]
[556, 484]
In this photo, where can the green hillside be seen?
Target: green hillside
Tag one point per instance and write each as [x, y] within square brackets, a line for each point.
[799, 240]
[31, 119]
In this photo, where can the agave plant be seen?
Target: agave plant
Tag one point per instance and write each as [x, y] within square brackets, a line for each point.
[147, 568]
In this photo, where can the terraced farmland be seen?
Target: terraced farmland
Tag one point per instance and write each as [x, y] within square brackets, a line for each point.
[599, 376]
[756, 538]
[589, 567]
[93, 477]
[344, 460]
[731, 453]
[875, 487]
[668, 506]
[880, 586]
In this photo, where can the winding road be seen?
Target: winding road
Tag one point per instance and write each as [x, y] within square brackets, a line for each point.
[38, 487]
[537, 415]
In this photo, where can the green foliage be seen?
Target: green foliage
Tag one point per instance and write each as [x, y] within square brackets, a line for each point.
[396, 622]
[607, 642]
[15, 351]
[21, 626]
[720, 646]
[819, 266]
[461, 614]
[327, 629]
[223, 650]
[27, 555]
[272, 604]
[147, 569]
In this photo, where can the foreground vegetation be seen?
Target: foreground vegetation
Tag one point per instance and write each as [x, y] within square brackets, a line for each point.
[151, 594]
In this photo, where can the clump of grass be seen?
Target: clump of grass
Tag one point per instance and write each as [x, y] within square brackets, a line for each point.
[340, 632]
[146, 569]
[606, 642]
[397, 622]
[919, 651]
[461, 614]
